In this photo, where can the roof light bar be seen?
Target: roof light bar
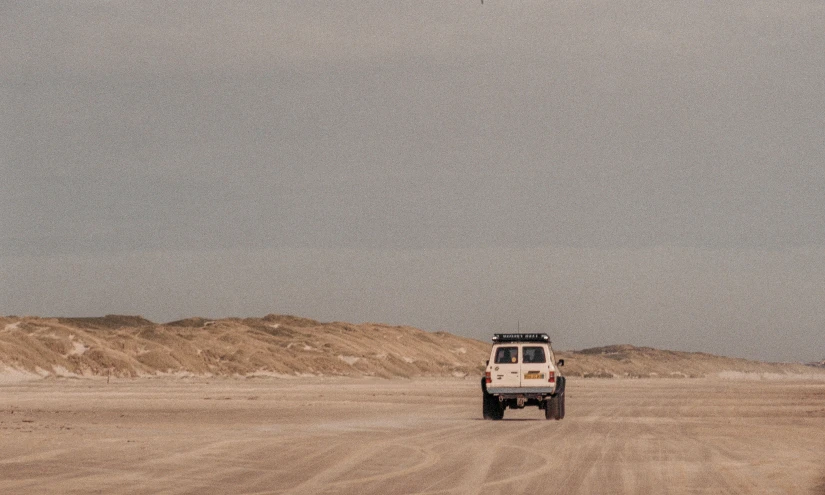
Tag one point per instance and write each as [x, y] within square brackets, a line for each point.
[521, 337]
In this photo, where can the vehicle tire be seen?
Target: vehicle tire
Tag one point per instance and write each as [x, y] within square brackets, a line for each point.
[561, 406]
[498, 409]
[551, 408]
[490, 404]
[493, 408]
[561, 398]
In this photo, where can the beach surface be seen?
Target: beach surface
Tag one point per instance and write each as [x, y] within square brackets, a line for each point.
[368, 435]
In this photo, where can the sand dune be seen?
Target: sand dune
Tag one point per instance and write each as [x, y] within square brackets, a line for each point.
[282, 345]
[645, 362]
[275, 345]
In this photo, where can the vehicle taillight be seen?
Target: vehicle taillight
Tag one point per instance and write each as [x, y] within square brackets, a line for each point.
[551, 377]
[487, 378]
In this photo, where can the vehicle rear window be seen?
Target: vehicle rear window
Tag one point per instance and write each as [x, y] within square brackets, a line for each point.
[506, 355]
[533, 354]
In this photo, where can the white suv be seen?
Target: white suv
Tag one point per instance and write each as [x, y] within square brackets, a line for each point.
[523, 371]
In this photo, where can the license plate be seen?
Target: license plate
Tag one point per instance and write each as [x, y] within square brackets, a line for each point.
[533, 376]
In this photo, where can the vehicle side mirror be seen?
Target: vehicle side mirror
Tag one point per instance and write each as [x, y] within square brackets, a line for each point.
[561, 362]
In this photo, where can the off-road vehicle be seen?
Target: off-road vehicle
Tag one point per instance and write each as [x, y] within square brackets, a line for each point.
[523, 371]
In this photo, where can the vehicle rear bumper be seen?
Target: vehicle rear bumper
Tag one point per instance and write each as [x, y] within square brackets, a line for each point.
[521, 391]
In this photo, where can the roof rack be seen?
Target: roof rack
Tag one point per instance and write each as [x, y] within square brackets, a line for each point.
[521, 337]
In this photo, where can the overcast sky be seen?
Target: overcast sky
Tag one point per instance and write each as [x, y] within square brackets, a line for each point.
[643, 172]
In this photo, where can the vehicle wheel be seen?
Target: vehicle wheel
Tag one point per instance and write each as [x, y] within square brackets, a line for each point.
[486, 412]
[551, 408]
[561, 399]
[498, 408]
[561, 406]
[490, 406]
[493, 408]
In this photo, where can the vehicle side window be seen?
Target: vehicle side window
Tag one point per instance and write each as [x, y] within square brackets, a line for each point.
[533, 354]
[507, 355]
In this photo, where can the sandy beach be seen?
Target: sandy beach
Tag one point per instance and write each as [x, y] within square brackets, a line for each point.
[345, 435]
